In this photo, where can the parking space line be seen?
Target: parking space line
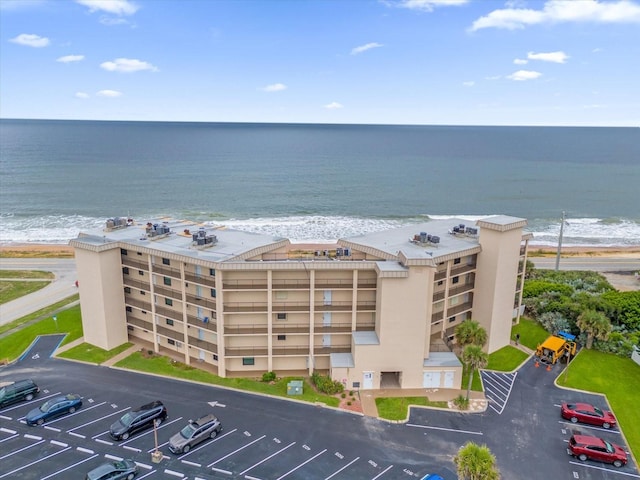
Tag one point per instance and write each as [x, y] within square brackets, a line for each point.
[24, 448]
[222, 471]
[76, 435]
[236, 451]
[53, 429]
[147, 474]
[302, 464]
[5, 418]
[32, 437]
[159, 446]
[112, 457]
[6, 430]
[204, 444]
[606, 469]
[60, 444]
[39, 399]
[151, 431]
[174, 473]
[103, 441]
[9, 438]
[33, 463]
[98, 419]
[77, 412]
[445, 429]
[85, 450]
[495, 392]
[582, 425]
[137, 450]
[341, 469]
[265, 459]
[382, 472]
[69, 467]
[99, 435]
[193, 464]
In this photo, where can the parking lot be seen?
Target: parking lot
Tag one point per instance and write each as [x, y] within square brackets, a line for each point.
[265, 438]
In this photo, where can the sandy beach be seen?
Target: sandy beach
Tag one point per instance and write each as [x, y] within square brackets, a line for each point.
[61, 250]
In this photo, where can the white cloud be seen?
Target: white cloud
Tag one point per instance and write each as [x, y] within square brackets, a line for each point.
[520, 61]
[427, 5]
[112, 21]
[555, 57]
[276, 87]
[522, 75]
[470, 83]
[70, 58]
[127, 65]
[333, 106]
[114, 7]
[109, 93]
[31, 40]
[82, 95]
[597, 50]
[557, 11]
[364, 48]
[20, 4]
[493, 77]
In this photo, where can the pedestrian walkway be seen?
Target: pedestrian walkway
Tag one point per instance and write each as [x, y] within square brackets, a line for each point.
[122, 355]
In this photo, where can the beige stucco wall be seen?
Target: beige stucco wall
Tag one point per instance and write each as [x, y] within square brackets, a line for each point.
[496, 277]
[102, 297]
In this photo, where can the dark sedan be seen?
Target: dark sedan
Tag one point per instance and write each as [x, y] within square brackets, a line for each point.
[587, 413]
[54, 407]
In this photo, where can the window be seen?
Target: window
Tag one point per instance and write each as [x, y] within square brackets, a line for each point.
[440, 282]
[356, 384]
[123, 251]
[215, 356]
[140, 272]
[452, 319]
[212, 272]
[455, 279]
[139, 253]
[282, 337]
[169, 322]
[171, 341]
[125, 270]
[282, 316]
[454, 301]
[168, 301]
[456, 261]
[213, 292]
[167, 281]
[130, 328]
[248, 361]
[127, 289]
[142, 292]
[165, 261]
[128, 309]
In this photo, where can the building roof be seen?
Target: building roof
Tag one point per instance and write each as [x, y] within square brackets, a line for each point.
[365, 338]
[442, 359]
[342, 360]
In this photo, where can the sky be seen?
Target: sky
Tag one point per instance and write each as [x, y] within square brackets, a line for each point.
[419, 62]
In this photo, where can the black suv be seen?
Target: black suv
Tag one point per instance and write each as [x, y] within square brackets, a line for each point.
[17, 392]
[138, 419]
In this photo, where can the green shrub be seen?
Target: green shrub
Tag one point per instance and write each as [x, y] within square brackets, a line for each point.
[461, 402]
[268, 377]
[325, 384]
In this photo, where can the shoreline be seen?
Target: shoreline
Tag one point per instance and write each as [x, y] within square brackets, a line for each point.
[40, 249]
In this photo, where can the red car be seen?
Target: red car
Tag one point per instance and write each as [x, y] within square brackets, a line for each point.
[585, 447]
[586, 413]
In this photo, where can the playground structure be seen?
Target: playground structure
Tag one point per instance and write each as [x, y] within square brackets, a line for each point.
[557, 347]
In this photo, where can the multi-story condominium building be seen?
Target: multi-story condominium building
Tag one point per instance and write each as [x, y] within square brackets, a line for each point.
[373, 310]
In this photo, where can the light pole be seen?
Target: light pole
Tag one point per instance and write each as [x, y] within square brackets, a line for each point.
[55, 320]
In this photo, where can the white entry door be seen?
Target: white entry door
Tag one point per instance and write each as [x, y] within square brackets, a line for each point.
[202, 355]
[431, 379]
[448, 379]
[367, 380]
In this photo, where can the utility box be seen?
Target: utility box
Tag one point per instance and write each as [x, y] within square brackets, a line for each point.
[294, 387]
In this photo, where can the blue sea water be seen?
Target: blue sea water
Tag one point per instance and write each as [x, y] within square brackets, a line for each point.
[317, 182]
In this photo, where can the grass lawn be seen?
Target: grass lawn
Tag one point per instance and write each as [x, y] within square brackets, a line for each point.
[506, 359]
[531, 333]
[90, 353]
[69, 321]
[165, 366]
[397, 408]
[22, 274]
[619, 379]
[12, 289]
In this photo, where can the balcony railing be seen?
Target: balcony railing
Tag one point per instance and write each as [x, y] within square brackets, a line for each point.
[202, 280]
[322, 350]
[165, 270]
[367, 283]
[326, 283]
[167, 292]
[333, 328]
[134, 302]
[138, 322]
[167, 332]
[168, 312]
[291, 350]
[245, 284]
[245, 329]
[461, 289]
[130, 282]
[288, 284]
[211, 325]
[208, 303]
[204, 345]
[461, 269]
[246, 351]
[133, 263]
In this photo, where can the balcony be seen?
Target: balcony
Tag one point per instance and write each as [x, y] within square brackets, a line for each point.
[130, 282]
[168, 312]
[166, 270]
[365, 327]
[245, 284]
[333, 328]
[367, 283]
[326, 350]
[208, 281]
[212, 326]
[325, 284]
[462, 269]
[260, 307]
[167, 292]
[463, 307]
[286, 327]
[246, 351]
[167, 332]
[134, 302]
[133, 263]
[246, 329]
[208, 303]
[285, 284]
[461, 289]
[204, 345]
[138, 322]
[291, 350]
[440, 275]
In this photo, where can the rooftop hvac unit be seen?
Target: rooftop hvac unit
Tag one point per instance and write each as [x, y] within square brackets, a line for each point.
[435, 239]
[471, 231]
[423, 237]
[456, 229]
[347, 252]
[339, 252]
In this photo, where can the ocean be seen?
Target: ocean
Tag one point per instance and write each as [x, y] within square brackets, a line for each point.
[314, 182]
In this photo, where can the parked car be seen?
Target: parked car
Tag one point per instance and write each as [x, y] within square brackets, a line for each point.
[196, 431]
[585, 448]
[119, 470]
[137, 420]
[587, 413]
[54, 407]
[18, 391]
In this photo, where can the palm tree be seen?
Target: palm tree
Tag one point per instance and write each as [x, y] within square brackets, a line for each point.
[470, 332]
[474, 358]
[595, 325]
[476, 462]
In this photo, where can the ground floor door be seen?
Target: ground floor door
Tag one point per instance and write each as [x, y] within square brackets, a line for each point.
[367, 380]
[448, 379]
[431, 379]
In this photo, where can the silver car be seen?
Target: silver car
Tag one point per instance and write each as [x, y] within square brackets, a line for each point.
[195, 432]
